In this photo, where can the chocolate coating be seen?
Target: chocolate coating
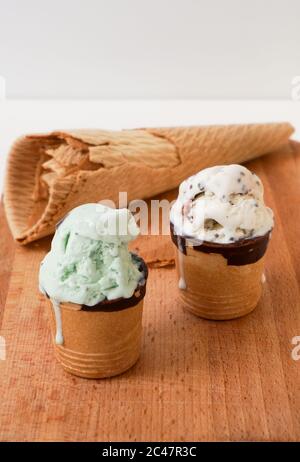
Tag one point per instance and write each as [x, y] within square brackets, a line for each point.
[242, 252]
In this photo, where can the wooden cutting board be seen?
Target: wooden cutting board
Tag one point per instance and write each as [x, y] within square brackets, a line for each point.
[195, 380]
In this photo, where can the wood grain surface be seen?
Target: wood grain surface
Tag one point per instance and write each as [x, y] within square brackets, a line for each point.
[195, 380]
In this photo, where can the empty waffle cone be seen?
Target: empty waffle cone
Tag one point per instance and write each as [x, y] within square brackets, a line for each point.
[222, 285]
[48, 175]
[98, 344]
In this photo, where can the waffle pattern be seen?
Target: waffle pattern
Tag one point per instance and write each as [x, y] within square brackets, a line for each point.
[143, 162]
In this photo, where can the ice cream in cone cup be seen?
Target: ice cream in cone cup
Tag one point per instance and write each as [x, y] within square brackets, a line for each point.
[95, 289]
[221, 228]
[99, 341]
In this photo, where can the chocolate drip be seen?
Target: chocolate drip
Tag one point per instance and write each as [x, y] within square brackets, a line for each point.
[242, 252]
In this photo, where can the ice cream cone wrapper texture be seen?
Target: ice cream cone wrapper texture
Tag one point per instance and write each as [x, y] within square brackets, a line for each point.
[48, 175]
[212, 289]
[98, 344]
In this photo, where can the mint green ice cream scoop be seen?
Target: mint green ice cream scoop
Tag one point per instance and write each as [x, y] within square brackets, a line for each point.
[89, 260]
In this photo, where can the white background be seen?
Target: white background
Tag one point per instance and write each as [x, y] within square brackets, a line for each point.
[149, 48]
[133, 63]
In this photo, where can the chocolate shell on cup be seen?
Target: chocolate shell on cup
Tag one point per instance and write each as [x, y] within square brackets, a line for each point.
[238, 253]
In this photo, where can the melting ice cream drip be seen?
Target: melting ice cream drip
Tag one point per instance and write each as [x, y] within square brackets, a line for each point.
[181, 283]
[59, 339]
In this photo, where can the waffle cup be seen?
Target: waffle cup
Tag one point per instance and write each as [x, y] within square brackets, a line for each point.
[103, 340]
[48, 175]
[220, 281]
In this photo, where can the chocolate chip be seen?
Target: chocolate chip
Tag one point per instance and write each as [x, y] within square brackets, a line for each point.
[242, 173]
[199, 194]
[238, 180]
